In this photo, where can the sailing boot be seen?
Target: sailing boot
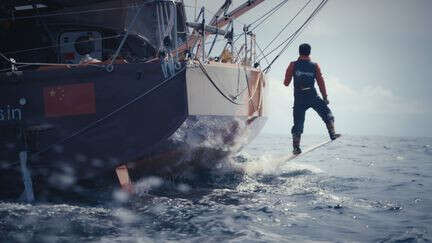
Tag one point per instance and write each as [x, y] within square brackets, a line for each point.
[296, 144]
[331, 130]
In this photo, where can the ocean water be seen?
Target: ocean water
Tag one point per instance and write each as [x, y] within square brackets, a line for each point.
[355, 189]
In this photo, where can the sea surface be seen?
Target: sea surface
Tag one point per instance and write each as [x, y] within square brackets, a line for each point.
[355, 189]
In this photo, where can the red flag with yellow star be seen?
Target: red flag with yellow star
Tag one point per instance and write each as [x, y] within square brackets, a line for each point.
[69, 100]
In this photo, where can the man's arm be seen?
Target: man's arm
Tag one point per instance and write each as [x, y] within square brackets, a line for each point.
[289, 74]
[321, 83]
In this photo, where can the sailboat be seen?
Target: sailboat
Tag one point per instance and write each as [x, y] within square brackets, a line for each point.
[107, 89]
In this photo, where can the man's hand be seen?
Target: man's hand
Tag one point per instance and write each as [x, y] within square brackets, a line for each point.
[326, 100]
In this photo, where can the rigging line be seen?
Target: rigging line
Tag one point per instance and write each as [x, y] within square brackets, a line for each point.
[234, 20]
[213, 42]
[293, 35]
[248, 87]
[219, 40]
[237, 54]
[17, 66]
[286, 26]
[10, 69]
[43, 22]
[238, 81]
[4, 57]
[297, 33]
[214, 13]
[317, 10]
[212, 45]
[284, 49]
[221, 92]
[60, 64]
[269, 14]
[214, 85]
[262, 53]
[60, 45]
[124, 38]
[74, 12]
[238, 37]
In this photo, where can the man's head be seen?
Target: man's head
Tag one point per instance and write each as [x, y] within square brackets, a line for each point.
[304, 49]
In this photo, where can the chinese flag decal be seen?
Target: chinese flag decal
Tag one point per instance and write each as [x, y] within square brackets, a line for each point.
[69, 100]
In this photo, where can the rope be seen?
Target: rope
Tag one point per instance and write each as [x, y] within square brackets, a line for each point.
[114, 57]
[265, 16]
[43, 23]
[4, 57]
[286, 26]
[9, 69]
[268, 14]
[233, 20]
[262, 53]
[221, 92]
[316, 11]
[248, 88]
[214, 85]
[286, 43]
[58, 64]
[214, 13]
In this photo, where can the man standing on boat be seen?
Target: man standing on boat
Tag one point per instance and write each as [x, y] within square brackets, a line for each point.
[305, 72]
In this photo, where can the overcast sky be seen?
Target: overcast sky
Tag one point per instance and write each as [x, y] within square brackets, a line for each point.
[375, 55]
